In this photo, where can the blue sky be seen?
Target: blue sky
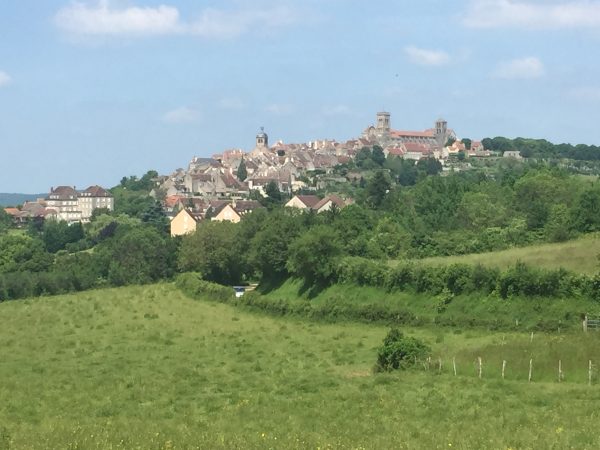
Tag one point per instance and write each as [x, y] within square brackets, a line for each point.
[93, 90]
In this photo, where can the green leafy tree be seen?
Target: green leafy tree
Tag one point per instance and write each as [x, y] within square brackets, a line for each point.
[477, 210]
[269, 247]
[273, 198]
[146, 183]
[313, 256]
[20, 253]
[587, 210]
[97, 212]
[408, 173]
[467, 142]
[56, 235]
[213, 251]
[558, 226]
[536, 192]
[5, 220]
[105, 226]
[130, 202]
[363, 155]
[431, 166]
[391, 238]
[355, 223]
[136, 256]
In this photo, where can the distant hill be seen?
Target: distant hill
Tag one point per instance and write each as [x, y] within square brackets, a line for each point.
[17, 199]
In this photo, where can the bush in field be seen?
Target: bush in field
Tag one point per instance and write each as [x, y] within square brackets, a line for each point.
[193, 285]
[399, 351]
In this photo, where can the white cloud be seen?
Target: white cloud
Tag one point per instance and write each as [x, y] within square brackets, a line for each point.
[232, 103]
[524, 68]
[280, 109]
[103, 19]
[5, 78]
[426, 57]
[215, 23]
[182, 115]
[530, 14]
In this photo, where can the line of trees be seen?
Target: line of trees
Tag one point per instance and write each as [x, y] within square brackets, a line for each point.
[455, 214]
[541, 148]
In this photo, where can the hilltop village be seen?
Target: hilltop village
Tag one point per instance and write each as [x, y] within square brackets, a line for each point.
[221, 185]
[227, 185]
[287, 165]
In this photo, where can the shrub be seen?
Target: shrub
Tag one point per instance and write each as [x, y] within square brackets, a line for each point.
[399, 351]
[194, 286]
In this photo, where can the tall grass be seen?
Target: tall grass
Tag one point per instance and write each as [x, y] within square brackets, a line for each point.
[147, 367]
[578, 255]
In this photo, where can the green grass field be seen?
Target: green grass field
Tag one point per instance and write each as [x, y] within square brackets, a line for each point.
[577, 255]
[146, 367]
[470, 311]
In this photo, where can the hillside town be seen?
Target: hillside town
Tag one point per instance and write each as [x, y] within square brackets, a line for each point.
[207, 184]
[287, 165]
[226, 185]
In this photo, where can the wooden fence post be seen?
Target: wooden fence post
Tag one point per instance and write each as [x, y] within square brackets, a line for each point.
[480, 365]
[585, 327]
[590, 373]
[454, 364]
[560, 371]
[530, 369]
[503, 368]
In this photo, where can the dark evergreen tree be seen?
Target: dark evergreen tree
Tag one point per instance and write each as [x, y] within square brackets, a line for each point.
[242, 173]
[376, 189]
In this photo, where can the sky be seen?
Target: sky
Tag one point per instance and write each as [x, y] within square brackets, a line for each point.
[94, 90]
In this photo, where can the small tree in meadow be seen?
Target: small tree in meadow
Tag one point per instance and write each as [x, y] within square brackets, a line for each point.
[399, 351]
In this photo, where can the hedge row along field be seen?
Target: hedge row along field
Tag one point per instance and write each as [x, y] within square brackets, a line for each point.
[519, 280]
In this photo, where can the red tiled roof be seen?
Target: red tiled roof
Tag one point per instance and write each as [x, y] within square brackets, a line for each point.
[409, 134]
[97, 191]
[396, 151]
[63, 193]
[414, 147]
[172, 200]
[12, 211]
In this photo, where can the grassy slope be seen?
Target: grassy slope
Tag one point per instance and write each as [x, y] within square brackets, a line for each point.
[578, 255]
[474, 310]
[149, 368]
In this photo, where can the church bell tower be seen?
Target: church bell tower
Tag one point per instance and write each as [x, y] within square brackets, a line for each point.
[262, 139]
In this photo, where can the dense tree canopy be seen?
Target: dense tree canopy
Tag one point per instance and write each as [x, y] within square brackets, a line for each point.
[213, 251]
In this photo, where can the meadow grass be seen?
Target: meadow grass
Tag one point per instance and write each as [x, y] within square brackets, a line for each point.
[146, 367]
[579, 255]
[475, 310]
